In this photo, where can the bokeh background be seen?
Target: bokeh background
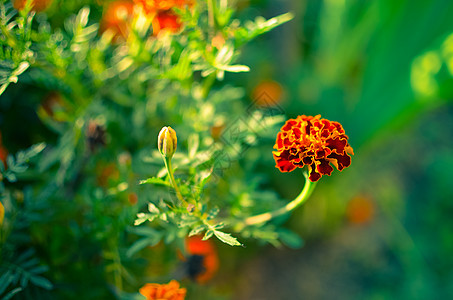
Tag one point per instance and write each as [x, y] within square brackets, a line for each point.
[383, 228]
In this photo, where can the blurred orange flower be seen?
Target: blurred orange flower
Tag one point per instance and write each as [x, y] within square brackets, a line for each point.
[267, 93]
[360, 210]
[151, 6]
[166, 20]
[37, 5]
[51, 103]
[132, 198]
[169, 291]
[217, 131]
[203, 261]
[106, 173]
[314, 142]
[2, 213]
[3, 152]
[3, 155]
[117, 17]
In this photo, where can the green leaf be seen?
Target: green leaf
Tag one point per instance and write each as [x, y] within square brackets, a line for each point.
[208, 235]
[153, 208]
[41, 282]
[34, 150]
[156, 181]
[12, 293]
[192, 144]
[227, 238]
[142, 243]
[5, 281]
[142, 217]
[290, 239]
[144, 231]
[236, 68]
[197, 230]
[213, 213]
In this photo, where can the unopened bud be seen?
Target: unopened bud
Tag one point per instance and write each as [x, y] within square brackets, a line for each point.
[167, 141]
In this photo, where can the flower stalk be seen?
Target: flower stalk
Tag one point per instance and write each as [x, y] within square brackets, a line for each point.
[299, 200]
[169, 168]
[167, 143]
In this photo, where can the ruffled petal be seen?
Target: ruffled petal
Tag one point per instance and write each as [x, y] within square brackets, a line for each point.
[310, 141]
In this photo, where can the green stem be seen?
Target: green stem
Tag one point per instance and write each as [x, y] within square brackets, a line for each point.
[117, 269]
[211, 18]
[304, 195]
[207, 85]
[173, 181]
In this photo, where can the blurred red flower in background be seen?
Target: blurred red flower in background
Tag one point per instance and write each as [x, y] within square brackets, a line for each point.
[3, 151]
[314, 142]
[151, 6]
[117, 17]
[163, 17]
[202, 262]
[106, 174]
[37, 5]
[166, 20]
[169, 291]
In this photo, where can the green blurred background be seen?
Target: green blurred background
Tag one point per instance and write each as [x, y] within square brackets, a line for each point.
[383, 228]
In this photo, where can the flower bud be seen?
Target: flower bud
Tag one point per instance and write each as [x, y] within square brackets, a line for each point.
[167, 141]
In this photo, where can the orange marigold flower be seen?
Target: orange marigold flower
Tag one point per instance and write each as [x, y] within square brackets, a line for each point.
[169, 291]
[36, 5]
[166, 20]
[117, 18]
[314, 142]
[203, 261]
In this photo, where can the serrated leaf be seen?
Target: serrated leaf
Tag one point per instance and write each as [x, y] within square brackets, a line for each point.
[197, 230]
[142, 217]
[218, 226]
[153, 208]
[34, 150]
[208, 235]
[227, 238]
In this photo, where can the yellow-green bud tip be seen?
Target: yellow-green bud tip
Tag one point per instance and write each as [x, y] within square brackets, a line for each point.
[167, 141]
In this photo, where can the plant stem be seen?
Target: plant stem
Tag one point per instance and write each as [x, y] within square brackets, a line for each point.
[173, 181]
[211, 18]
[304, 195]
